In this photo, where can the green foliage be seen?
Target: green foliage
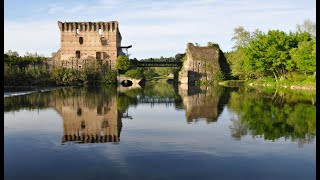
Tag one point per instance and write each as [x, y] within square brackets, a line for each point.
[150, 73]
[123, 63]
[257, 55]
[270, 53]
[159, 90]
[179, 56]
[123, 103]
[109, 78]
[212, 44]
[135, 73]
[241, 37]
[65, 76]
[27, 70]
[163, 72]
[239, 68]
[92, 72]
[12, 53]
[267, 116]
[162, 59]
[305, 56]
[218, 76]
[33, 69]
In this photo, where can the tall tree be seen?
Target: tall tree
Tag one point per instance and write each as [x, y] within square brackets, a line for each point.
[241, 37]
[12, 53]
[307, 26]
[270, 53]
[256, 33]
[123, 63]
[305, 56]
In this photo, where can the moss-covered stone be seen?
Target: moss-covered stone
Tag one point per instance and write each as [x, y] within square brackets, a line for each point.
[203, 64]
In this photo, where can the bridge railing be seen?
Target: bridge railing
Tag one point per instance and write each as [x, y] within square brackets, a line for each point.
[159, 64]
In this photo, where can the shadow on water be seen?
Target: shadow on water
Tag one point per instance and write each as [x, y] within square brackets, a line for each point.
[94, 115]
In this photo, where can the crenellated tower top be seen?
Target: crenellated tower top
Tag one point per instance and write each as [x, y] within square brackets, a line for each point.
[88, 26]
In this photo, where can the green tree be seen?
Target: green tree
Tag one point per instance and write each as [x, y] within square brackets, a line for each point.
[32, 54]
[256, 33]
[149, 73]
[109, 78]
[270, 53]
[239, 68]
[305, 56]
[307, 26]
[241, 37]
[123, 63]
[12, 53]
[135, 73]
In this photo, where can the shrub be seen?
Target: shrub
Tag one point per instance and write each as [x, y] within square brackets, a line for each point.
[109, 78]
[135, 73]
[123, 63]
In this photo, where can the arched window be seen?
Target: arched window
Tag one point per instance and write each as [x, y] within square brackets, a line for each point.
[81, 40]
[77, 54]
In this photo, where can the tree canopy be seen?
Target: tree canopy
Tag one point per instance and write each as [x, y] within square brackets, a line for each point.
[274, 53]
[123, 63]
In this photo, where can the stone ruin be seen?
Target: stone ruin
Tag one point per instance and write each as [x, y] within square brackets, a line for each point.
[202, 63]
[82, 42]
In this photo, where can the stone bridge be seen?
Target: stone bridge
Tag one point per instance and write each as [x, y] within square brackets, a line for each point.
[127, 81]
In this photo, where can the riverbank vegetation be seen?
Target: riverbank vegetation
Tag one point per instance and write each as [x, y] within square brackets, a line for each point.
[35, 70]
[275, 58]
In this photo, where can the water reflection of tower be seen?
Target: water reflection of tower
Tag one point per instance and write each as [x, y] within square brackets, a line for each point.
[203, 103]
[89, 120]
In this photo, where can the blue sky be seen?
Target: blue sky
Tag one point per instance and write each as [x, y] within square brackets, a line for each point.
[154, 28]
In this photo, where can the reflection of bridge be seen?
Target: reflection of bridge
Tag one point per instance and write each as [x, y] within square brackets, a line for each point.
[159, 64]
[158, 100]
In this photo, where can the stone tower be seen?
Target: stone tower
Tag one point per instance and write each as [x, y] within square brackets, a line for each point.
[200, 64]
[81, 41]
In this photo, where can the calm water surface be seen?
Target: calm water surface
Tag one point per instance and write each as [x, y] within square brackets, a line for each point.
[160, 131]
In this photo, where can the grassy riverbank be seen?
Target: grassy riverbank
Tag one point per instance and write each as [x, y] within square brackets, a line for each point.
[302, 83]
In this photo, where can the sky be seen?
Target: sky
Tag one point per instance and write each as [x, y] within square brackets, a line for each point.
[154, 28]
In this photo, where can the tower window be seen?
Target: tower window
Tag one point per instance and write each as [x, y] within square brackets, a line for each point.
[98, 55]
[81, 40]
[77, 54]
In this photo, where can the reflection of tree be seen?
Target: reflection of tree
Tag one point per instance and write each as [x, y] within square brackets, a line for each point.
[160, 90]
[124, 101]
[261, 116]
[29, 102]
[157, 92]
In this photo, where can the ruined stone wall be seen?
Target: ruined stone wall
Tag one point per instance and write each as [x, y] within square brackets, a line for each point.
[201, 63]
[80, 40]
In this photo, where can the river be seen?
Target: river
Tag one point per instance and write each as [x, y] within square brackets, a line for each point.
[160, 131]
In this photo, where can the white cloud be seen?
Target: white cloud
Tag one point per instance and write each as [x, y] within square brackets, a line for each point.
[41, 37]
[158, 28]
